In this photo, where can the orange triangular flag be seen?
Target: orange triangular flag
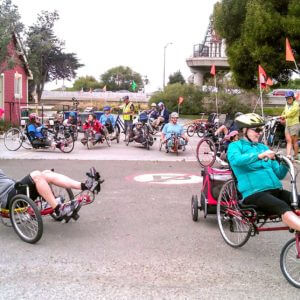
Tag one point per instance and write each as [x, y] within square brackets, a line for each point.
[289, 56]
[269, 81]
[213, 70]
[298, 96]
[262, 76]
[180, 100]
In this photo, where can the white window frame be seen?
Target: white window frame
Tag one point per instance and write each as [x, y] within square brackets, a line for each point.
[18, 85]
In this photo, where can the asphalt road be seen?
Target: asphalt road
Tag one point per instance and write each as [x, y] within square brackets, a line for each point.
[137, 241]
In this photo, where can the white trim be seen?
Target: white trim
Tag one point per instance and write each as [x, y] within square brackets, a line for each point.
[18, 77]
[3, 94]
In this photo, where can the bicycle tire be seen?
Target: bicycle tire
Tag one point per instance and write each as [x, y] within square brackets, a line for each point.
[208, 157]
[190, 131]
[13, 139]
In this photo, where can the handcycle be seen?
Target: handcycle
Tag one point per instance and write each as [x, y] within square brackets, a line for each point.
[25, 215]
[91, 140]
[16, 138]
[176, 145]
[238, 222]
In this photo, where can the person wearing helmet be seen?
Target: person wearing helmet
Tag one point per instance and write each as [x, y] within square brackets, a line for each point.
[173, 127]
[128, 113]
[153, 112]
[108, 120]
[257, 172]
[291, 116]
[163, 115]
[71, 120]
[228, 127]
[37, 132]
[95, 126]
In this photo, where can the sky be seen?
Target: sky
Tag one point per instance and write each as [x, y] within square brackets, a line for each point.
[108, 33]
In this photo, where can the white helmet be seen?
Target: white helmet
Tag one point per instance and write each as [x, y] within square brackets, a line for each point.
[174, 115]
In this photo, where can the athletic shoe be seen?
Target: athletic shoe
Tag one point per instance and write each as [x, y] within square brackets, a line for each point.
[67, 209]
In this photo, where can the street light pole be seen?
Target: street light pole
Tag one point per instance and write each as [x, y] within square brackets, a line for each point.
[164, 79]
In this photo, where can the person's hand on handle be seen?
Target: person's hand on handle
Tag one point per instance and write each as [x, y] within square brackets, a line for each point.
[268, 154]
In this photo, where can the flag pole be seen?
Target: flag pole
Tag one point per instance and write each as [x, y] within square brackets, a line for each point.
[216, 93]
[262, 112]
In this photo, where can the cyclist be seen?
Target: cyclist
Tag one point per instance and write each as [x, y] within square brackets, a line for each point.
[292, 126]
[228, 127]
[72, 120]
[39, 185]
[173, 127]
[163, 116]
[107, 119]
[153, 112]
[37, 133]
[95, 126]
[258, 174]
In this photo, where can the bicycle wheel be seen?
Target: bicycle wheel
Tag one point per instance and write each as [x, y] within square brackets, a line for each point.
[194, 208]
[234, 227]
[290, 263]
[26, 219]
[13, 139]
[66, 194]
[67, 144]
[206, 152]
[26, 143]
[190, 131]
[200, 131]
[117, 129]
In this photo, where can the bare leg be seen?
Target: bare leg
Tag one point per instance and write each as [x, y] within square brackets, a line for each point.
[292, 220]
[61, 180]
[295, 145]
[288, 143]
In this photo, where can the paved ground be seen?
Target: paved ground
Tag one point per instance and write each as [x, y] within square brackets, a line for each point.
[137, 241]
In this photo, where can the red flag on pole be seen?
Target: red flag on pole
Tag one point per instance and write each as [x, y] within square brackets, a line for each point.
[213, 70]
[289, 56]
[262, 76]
[180, 100]
[298, 96]
[269, 81]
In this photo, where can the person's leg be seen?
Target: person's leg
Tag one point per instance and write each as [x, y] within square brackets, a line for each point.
[291, 219]
[288, 143]
[295, 145]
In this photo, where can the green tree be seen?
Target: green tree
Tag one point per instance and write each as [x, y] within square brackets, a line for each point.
[176, 78]
[86, 83]
[193, 98]
[255, 32]
[46, 58]
[121, 78]
[9, 24]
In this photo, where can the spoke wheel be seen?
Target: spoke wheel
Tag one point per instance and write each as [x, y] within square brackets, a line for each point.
[26, 219]
[26, 143]
[190, 131]
[234, 227]
[67, 144]
[66, 194]
[117, 129]
[290, 263]
[13, 139]
[206, 152]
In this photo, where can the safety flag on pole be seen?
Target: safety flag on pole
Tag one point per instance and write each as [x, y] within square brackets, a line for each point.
[262, 76]
[269, 81]
[298, 96]
[289, 56]
[180, 100]
[213, 70]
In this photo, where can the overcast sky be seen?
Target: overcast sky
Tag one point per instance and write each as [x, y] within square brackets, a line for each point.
[108, 33]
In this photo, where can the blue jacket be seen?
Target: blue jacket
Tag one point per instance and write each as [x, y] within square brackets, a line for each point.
[253, 174]
[104, 118]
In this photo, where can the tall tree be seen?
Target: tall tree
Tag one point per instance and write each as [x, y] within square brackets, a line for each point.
[255, 32]
[86, 83]
[9, 24]
[121, 78]
[176, 78]
[46, 57]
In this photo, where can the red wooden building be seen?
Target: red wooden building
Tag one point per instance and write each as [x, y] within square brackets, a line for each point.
[14, 82]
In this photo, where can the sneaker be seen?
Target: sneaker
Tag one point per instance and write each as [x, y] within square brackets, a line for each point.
[67, 209]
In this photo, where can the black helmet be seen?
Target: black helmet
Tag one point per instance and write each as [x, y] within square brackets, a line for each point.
[250, 120]
[126, 98]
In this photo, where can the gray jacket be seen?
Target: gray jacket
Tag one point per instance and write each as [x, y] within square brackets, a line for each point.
[6, 185]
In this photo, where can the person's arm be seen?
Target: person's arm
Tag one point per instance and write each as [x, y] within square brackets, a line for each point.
[293, 111]
[279, 169]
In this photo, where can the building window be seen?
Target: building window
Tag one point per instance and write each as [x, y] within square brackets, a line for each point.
[18, 85]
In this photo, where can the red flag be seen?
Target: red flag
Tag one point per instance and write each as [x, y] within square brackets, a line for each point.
[289, 56]
[180, 100]
[269, 81]
[213, 70]
[298, 96]
[1, 112]
[262, 76]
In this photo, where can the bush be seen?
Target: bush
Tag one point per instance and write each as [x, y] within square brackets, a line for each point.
[4, 125]
[193, 98]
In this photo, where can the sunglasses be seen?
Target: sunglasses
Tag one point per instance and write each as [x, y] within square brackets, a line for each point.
[258, 129]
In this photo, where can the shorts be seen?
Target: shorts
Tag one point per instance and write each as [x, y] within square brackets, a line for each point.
[33, 193]
[292, 130]
[271, 202]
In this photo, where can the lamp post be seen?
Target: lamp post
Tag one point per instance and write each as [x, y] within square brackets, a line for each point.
[164, 79]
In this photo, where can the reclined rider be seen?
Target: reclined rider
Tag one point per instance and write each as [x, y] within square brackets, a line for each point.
[95, 126]
[108, 120]
[258, 174]
[39, 185]
[173, 127]
[37, 133]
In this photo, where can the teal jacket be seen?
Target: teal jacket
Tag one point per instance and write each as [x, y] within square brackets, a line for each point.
[253, 174]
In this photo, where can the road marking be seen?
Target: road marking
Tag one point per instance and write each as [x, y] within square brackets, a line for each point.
[169, 178]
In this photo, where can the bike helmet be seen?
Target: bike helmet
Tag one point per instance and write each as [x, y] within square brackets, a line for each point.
[174, 115]
[160, 104]
[289, 94]
[32, 117]
[106, 108]
[72, 114]
[250, 120]
[153, 104]
[237, 114]
[126, 98]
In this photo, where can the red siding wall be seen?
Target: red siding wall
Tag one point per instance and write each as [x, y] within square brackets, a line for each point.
[11, 104]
